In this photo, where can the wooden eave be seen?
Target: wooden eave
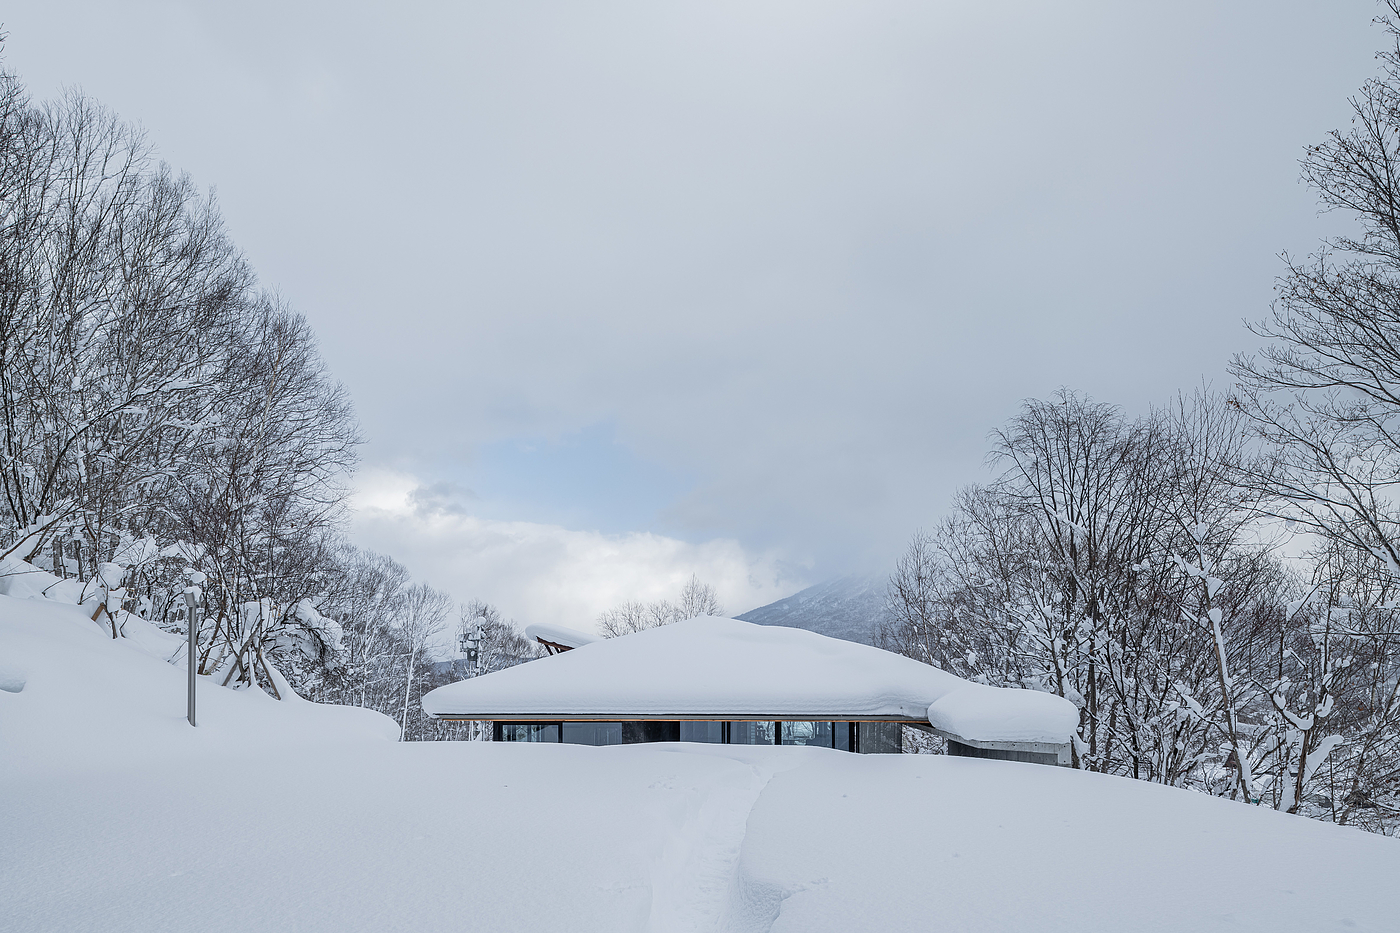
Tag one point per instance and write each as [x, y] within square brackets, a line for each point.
[679, 717]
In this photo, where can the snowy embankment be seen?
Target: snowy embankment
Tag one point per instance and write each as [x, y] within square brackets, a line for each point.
[116, 815]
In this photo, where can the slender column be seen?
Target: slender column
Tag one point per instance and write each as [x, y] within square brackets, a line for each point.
[194, 630]
[193, 598]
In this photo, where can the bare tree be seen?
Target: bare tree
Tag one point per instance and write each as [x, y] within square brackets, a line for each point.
[1324, 394]
[119, 287]
[423, 616]
[696, 599]
[147, 391]
[630, 617]
[1060, 576]
[502, 644]
[363, 597]
[499, 645]
[1325, 390]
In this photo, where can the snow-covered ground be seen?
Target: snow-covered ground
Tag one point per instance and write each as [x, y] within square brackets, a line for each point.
[116, 815]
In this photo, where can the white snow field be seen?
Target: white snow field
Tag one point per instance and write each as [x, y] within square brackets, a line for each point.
[116, 815]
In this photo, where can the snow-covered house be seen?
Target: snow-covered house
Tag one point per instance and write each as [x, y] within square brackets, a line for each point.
[721, 680]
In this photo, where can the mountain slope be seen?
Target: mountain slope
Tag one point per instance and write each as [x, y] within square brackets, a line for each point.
[848, 608]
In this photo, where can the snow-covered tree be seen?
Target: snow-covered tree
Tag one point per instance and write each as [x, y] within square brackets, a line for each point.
[1325, 388]
[150, 392]
[1060, 576]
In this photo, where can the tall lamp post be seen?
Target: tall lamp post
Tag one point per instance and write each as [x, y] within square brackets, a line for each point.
[470, 643]
[192, 600]
[471, 647]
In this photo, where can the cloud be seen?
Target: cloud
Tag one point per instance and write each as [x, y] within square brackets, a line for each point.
[537, 572]
[440, 498]
[765, 273]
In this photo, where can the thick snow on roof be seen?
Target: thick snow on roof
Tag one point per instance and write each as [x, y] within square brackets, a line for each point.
[711, 668]
[559, 635]
[994, 714]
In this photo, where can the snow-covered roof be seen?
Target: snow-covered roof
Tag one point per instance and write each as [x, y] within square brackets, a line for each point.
[990, 715]
[559, 635]
[712, 668]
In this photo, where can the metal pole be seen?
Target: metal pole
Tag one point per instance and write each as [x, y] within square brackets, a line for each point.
[192, 604]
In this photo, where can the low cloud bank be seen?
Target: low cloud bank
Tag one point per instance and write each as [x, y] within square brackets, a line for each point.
[547, 573]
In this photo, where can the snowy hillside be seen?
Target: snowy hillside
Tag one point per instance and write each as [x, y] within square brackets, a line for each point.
[117, 816]
[848, 608]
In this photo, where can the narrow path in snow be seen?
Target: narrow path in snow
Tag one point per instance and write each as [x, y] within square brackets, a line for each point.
[693, 882]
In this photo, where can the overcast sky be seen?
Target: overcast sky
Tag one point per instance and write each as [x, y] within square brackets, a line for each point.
[629, 291]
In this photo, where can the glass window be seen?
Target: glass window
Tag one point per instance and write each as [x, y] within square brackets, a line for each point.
[752, 733]
[529, 732]
[702, 732]
[593, 733]
[881, 738]
[807, 733]
[841, 736]
[650, 731]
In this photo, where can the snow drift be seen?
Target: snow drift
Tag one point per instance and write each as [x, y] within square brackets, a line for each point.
[116, 815]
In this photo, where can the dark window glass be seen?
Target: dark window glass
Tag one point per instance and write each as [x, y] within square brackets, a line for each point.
[702, 732]
[841, 736]
[593, 733]
[881, 738]
[529, 732]
[650, 732]
[807, 733]
[752, 733]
